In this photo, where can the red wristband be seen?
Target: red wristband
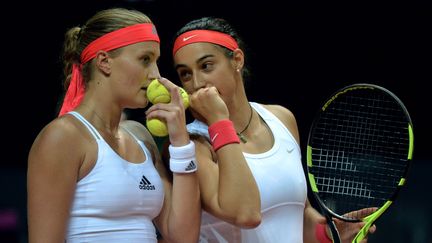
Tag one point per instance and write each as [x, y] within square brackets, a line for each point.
[222, 133]
[321, 234]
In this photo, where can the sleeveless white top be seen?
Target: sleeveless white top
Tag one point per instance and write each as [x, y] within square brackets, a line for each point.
[117, 200]
[279, 175]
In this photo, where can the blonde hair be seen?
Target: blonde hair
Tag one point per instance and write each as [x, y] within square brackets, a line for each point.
[103, 22]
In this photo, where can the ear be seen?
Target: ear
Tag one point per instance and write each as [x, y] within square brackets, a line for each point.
[238, 59]
[103, 62]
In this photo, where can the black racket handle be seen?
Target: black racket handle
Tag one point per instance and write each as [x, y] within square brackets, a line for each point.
[333, 230]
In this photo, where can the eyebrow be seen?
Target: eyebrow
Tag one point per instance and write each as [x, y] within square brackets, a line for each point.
[147, 52]
[197, 61]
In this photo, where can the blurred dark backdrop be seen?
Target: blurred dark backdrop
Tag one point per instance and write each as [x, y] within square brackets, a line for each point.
[299, 53]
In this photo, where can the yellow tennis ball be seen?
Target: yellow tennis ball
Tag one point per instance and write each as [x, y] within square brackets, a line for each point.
[185, 98]
[157, 127]
[157, 93]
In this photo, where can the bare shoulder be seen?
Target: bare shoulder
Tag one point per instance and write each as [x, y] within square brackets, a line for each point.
[286, 117]
[281, 112]
[59, 132]
[60, 140]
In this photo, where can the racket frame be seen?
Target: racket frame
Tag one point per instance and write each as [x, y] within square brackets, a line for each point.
[327, 212]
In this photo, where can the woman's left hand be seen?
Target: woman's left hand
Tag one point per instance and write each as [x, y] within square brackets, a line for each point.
[173, 113]
[348, 230]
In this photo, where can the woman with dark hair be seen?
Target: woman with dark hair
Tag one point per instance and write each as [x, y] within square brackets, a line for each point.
[252, 184]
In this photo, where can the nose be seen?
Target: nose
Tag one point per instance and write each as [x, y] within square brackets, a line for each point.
[154, 72]
[198, 81]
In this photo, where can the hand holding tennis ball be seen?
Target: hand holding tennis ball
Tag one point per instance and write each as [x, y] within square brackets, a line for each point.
[157, 93]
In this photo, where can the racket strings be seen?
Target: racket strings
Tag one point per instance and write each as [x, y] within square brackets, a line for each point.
[359, 150]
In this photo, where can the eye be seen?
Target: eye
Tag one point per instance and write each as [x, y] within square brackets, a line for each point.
[146, 60]
[207, 66]
[184, 75]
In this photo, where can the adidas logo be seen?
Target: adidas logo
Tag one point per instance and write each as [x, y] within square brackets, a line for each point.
[191, 166]
[145, 184]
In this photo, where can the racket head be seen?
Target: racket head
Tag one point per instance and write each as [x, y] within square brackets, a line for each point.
[359, 151]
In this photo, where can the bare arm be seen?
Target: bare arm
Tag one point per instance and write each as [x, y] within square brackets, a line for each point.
[181, 211]
[311, 219]
[228, 188]
[53, 165]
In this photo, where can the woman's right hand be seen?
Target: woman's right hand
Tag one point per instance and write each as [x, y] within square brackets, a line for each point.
[209, 105]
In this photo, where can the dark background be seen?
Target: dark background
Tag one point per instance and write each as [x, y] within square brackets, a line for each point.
[299, 54]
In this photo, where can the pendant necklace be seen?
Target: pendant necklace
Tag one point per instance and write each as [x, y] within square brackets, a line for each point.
[240, 134]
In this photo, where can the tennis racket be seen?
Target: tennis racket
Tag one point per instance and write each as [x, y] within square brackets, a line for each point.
[359, 151]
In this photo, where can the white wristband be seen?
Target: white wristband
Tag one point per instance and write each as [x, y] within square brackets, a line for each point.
[182, 159]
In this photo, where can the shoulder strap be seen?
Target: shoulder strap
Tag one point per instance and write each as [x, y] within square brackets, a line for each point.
[89, 126]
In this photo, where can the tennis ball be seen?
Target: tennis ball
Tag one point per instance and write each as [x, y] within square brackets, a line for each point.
[185, 98]
[157, 93]
[157, 127]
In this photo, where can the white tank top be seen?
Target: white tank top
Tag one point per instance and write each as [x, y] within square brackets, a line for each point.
[117, 200]
[279, 175]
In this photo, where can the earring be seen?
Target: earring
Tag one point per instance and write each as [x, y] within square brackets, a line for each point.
[238, 69]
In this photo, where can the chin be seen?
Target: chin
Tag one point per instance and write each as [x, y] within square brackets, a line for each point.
[139, 105]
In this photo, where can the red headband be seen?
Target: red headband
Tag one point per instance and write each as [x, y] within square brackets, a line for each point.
[113, 40]
[210, 36]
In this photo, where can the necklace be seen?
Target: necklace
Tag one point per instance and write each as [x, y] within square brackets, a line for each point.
[239, 134]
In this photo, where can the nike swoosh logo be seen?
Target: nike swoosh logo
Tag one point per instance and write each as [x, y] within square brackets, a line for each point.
[290, 150]
[187, 38]
[213, 138]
